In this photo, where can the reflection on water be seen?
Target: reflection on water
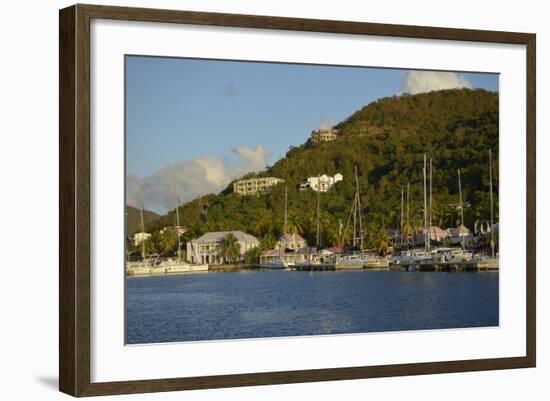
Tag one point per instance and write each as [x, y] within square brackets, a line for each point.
[278, 303]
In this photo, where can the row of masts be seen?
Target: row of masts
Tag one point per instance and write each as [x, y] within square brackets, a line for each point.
[427, 212]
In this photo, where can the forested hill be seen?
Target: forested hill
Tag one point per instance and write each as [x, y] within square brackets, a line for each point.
[386, 140]
[133, 218]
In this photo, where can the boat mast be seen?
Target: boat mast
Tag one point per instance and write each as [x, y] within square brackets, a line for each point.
[430, 219]
[354, 212]
[282, 246]
[408, 210]
[461, 209]
[491, 197]
[426, 240]
[176, 229]
[142, 226]
[286, 210]
[431, 198]
[401, 221]
[358, 209]
[318, 236]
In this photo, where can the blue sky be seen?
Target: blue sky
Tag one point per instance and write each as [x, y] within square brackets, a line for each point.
[178, 110]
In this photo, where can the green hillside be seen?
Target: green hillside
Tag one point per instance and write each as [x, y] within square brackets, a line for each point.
[386, 140]
[133, 219]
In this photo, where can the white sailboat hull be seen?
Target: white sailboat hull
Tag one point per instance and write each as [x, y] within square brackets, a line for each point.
[143, 269]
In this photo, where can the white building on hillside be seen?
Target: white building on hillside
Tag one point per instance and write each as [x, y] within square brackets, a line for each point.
[180, 229]
[322, 183]
[207, 249]
[253, 186]
[323, 135]
[140, 237]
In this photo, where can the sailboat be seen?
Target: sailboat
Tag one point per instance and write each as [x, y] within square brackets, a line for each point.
[490, 262]
[354, 260]
[280, 263]
[418, 255]
[145, 266]
[178, 265]
[317, 261]
[154, 265]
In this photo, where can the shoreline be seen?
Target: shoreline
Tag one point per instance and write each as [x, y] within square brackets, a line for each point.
[392, 268]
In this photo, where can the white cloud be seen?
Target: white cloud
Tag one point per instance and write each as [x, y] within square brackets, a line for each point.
[426, 81]
[200, 176]
[251, 159]
[215, 170]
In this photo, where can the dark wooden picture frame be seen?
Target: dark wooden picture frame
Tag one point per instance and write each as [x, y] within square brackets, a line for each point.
[74, 199]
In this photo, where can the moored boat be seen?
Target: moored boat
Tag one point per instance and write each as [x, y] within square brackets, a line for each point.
[276, 264]
[486, 263]
[349, 262]
[375, 263]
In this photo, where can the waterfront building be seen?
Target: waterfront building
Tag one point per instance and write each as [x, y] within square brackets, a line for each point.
[140, 237]
[323, 135]
[456, 234]
[253, 186]
[438, 234]
[290, 241]
[207, 248]
[322, 183]
[296, 256]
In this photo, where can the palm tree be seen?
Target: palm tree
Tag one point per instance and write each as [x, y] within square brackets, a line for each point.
[230, 248]
[295, 224]
[379, 240]
[168, 241]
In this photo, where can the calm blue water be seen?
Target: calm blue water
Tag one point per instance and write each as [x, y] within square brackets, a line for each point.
[279, 303]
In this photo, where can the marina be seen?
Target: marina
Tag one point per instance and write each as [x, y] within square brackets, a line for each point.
[382, 220]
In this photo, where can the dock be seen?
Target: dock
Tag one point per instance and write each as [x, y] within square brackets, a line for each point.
[471, 266]
[484, 265]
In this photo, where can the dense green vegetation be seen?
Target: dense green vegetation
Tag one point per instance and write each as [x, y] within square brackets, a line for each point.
[386, 140]
[133, 218]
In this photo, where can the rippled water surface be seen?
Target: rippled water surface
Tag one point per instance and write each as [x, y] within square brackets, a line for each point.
[251, 304]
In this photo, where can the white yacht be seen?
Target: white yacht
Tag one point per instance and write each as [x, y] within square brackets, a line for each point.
[275, 264]
[412, 256]
[375, 262]
[450, 255]
[347, 262]
[162, 266]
